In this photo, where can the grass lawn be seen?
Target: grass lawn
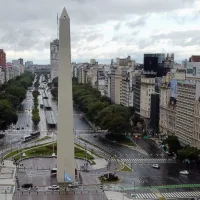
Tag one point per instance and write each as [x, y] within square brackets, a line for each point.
[125, 169]
[103, 181]
[48, 150]
[41, 139]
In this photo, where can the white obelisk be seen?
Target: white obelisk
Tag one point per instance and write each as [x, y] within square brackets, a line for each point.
[65, 141]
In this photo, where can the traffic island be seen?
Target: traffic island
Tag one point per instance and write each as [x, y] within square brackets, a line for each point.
[125, 169]
[109, 178]
[46, 150]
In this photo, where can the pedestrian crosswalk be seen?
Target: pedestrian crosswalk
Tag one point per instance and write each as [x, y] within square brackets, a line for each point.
[145, 160]
[168, 195]
[181, 194]
[145, 196]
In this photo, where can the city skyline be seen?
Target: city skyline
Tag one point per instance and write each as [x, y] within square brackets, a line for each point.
[115, 32]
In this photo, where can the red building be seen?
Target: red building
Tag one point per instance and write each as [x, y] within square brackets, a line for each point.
[2, 58]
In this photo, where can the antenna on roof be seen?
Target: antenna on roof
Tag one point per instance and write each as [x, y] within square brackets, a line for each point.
[57, 25]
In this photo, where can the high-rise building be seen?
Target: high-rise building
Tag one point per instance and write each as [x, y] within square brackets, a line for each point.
[54, 58]
[157, 65]
[28, 63]
[2, 58]
[154, 112]
[136, 92]
[21, 61]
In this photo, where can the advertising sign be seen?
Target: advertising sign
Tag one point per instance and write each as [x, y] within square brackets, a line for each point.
[173, 88]
[193, 70]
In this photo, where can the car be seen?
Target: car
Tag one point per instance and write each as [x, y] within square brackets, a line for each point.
[184, 172]
[27, 185]
[73, 185]
[54, 187]
[156, 166]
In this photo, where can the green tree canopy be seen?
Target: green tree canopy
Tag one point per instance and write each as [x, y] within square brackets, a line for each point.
[188, 152]
[8, 114]
[173, 144]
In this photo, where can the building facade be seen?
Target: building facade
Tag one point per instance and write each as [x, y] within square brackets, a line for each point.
[136, 92]
[147, 88]
[54, 58]
[2, 58]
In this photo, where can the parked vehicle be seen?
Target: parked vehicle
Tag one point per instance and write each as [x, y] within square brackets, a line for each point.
[73, 185]
[54, 172]
[54, 187]
[156, 166]
[27, 185]
[184, 172]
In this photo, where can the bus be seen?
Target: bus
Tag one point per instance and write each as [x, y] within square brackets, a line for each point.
[35, 135]
[26, 138]
[31, 136]
[54, 172]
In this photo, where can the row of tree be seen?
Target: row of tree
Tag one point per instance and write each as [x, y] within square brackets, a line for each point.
[99, 110]
[35, 111]
[183, 153]
[12, 94]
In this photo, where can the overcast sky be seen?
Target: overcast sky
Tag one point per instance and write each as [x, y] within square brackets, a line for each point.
[101, 29]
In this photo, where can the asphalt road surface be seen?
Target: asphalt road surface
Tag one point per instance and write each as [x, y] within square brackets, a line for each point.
[77, 195]
[24, 124]
[144, 174]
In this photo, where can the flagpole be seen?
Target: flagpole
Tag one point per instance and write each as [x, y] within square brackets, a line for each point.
[64, 185]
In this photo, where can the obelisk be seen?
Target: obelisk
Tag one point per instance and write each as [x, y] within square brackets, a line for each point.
[65, 140]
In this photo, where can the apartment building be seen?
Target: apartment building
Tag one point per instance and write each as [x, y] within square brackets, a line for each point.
[136, 91]
[107, 83]
[54, 58]
[186, 92]
[2, 75]
[167, 109]
[147, 88]
[82, 73]
[196, 123]
[115, 85]
[126, 90]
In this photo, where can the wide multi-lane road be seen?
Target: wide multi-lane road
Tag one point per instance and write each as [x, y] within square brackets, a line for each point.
[143, 173]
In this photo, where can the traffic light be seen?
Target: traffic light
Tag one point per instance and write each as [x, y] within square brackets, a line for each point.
[17, 183]
[101, 187]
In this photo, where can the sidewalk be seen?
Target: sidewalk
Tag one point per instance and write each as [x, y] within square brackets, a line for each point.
[111, 195]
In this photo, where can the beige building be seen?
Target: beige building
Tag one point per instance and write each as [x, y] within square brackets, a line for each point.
[115, 85]
[186, 91]
[167, 111]
[196, 131]
[147, 88]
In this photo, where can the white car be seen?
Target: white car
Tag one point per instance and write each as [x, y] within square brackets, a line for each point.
[184, 172]
[156, 166]
[73, 185]
[54, 187]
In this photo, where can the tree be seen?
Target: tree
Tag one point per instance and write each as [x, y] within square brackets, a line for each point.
[54, 92]
[17, 91]
[8, 114]
[35, 119]
[94, 108]
[136, 119]
[55, 82]
[118, 125]
[188, 152]
[173, 144]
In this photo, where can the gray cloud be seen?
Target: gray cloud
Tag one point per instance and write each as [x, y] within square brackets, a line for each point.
[139, 22]
[93, 37]
[31, 24]
[180, 38]
[117, 26]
